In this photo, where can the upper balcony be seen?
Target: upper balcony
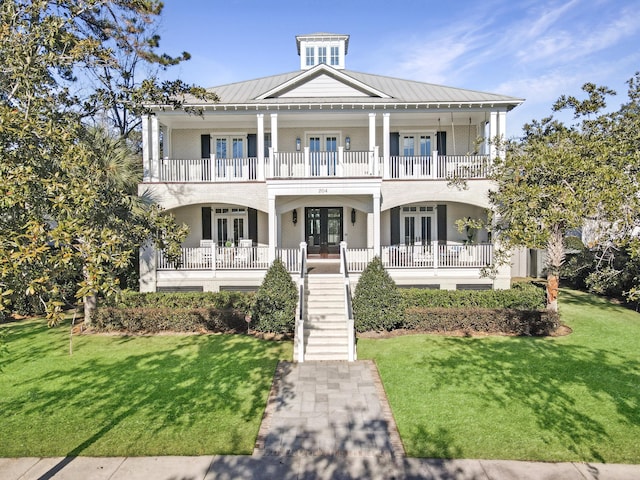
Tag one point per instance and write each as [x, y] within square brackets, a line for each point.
[308, 165]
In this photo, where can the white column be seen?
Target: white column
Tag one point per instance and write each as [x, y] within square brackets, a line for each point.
[274, 131]
[155, 149]
[146, 172]
[376, 223]
[273, 229]
[386, 147]
[168, 147]
[502, 130]
[260, 149]
[493, 133]
[372, 131]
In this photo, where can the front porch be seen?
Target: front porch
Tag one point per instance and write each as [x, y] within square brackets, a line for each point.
[429, 257]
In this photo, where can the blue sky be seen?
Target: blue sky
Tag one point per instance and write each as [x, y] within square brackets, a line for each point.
[532, 49]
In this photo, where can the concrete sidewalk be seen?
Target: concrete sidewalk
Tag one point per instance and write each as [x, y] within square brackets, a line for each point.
[301, 467]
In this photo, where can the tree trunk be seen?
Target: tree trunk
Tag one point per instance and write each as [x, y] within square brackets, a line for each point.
[90, 302]
[555, 259]
[553, 283]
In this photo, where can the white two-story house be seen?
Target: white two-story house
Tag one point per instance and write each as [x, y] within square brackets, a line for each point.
[295, 164]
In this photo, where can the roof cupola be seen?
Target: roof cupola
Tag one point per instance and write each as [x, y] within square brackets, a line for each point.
[327, 48]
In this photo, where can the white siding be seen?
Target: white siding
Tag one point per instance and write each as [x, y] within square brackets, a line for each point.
[323, 86]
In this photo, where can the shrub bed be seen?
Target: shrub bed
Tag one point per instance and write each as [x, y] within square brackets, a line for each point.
[521, 296]
[220, 300]
[166, 319]
[489, 320]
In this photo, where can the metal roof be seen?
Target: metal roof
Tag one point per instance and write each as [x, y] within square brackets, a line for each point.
[399, 91]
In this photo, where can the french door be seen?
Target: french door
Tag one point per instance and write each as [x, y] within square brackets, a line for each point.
[323, 230]
[229, 155]
[323, 153]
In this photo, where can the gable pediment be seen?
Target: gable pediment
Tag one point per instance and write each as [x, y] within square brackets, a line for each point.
[323, 82]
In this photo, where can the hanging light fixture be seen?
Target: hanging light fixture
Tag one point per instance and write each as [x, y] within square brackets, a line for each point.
[294, 216]
[353, 216]
[298, 144]
[347, 143]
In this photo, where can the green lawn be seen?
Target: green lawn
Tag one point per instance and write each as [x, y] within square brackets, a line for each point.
[572, 398]
[164, 395]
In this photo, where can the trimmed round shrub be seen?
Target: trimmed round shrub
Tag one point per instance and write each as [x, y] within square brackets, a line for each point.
[275, 304]
[376, 300]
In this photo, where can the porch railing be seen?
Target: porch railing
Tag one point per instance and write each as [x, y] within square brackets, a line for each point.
[301, 313]
[435, 255]
[429, 256]
[218, 258]
[348, 305]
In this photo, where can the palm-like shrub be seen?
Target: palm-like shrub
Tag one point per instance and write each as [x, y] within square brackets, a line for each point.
[376, 301]
[275, 302]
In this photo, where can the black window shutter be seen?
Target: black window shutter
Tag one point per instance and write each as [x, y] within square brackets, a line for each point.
[394, 144]
[441, 140]
[253, 224]
[206, 223]
[394, 151]
[395, 226]
[252, 145]
[442, 224]
[205, 146]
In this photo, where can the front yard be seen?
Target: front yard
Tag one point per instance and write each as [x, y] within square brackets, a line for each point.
[575, 397]
[163, 395]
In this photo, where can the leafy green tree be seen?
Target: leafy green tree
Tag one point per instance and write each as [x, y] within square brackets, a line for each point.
[559, 176]
[60, 205]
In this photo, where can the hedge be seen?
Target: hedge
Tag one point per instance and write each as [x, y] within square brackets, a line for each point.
[521, 296]
[489, 320]
[165, 319]
[221, 300]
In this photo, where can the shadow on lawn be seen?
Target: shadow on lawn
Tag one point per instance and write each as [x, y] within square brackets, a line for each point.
[169, 388]
[540, 374]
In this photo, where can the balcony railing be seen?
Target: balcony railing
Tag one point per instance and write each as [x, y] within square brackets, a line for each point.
[439, 166]
[308, 164]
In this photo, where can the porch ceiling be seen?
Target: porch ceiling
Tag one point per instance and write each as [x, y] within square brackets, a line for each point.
[328, 117]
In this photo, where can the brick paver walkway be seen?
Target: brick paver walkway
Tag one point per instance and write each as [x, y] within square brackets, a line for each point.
[328, 408]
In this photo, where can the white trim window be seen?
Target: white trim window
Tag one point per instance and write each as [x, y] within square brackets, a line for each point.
[230, 152]
[230, 225]
[418, 225]
[335, 56]
[310, 56]
[322, 55]
[323, 153]
[416, 150]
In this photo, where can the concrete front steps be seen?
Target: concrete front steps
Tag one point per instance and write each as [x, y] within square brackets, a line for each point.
[325, 325]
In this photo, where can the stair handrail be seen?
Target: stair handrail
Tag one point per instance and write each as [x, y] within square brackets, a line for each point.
[301, 306]
[351, 334]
